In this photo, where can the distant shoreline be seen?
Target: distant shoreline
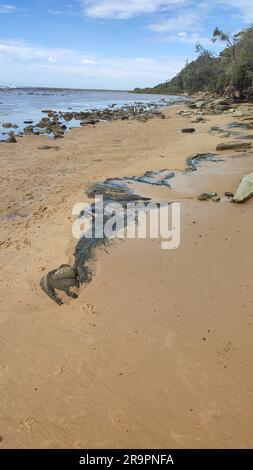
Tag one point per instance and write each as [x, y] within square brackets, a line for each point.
[41, 88]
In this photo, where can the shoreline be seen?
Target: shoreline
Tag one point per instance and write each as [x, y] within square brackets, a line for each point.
[88, 374]
[42, 113]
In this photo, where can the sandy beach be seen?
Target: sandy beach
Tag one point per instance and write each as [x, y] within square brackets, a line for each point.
[156, 352]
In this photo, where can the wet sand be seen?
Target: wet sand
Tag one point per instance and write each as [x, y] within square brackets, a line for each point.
[156, 351]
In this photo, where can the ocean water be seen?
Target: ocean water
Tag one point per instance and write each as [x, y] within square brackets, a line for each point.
[21, 104]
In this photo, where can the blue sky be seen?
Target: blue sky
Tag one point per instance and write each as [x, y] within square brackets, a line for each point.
[113, 44]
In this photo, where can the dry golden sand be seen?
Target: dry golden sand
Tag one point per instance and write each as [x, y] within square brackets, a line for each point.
[157, 350]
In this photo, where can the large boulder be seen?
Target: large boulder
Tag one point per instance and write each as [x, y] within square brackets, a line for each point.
[245, 189]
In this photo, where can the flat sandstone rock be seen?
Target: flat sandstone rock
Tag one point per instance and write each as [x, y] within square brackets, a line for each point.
[245, 189]
[234, 146]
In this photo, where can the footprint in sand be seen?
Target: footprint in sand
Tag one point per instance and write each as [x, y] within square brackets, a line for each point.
[227, 349]
[61, 370]
[3, 370]
[28, 423]
[91, 309]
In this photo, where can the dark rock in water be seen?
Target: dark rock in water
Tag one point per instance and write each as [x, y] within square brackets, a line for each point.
[28, 130]
[14, 126]
[28, 122]
[67, 116]
[43, 123]
[233, 146]
[46, 111]
[188, 130]
[7, 125]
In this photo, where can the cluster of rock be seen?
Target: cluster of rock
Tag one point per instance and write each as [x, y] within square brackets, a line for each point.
[206, 104]
[56, 123]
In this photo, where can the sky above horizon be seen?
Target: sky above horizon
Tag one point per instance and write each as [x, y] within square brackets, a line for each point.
[108, 44]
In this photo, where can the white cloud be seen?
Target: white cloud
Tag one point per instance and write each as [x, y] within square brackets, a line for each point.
[42, 66]
[52, 60]
[124, 9]
[244, 8]
[55, 12]
[7, 8]
[88, 62]
[185, 21]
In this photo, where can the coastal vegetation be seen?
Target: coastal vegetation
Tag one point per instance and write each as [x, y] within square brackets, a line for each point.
[229, 73]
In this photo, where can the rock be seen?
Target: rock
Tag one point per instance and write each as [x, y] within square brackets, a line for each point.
[188, 130]
[216, 130]
[225, 135]
[203, 197]
[58, 136]
[28, 130]
[48, 147]
[7, 125]
[215, 198]
[244, 110]
[28, 122]
[11, 139]
[242, 125]
[200, 104]
[206, 196]
[43, 123]
[198, 119]
[194, 160]
[246, 137]
[67, 116]
[234, 146]
[86, 122]
[228, 194]
[245, 189]
[185, 113]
